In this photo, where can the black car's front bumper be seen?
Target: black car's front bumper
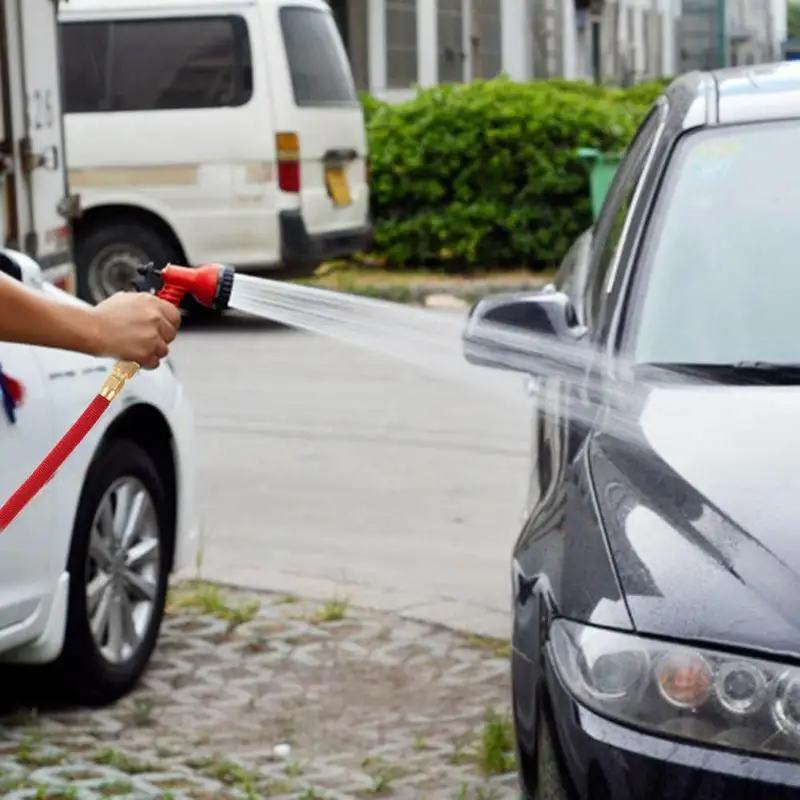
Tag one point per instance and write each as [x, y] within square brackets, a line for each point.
[581, 756]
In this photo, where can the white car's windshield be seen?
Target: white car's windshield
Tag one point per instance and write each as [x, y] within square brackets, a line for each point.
[723, 257]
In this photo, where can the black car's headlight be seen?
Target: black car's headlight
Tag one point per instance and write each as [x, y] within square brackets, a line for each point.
[681, 691]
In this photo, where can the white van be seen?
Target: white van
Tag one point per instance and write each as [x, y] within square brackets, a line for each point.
[198, 131]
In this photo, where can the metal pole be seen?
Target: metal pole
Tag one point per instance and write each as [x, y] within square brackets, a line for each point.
[722, 38]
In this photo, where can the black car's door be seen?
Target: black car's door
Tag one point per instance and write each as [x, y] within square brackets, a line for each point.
[545, 548]
[570, 279]
[584, 276]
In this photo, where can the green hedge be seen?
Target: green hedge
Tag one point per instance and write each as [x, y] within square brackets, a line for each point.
[485, 174]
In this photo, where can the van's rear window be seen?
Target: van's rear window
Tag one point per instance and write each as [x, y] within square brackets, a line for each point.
[318, 62]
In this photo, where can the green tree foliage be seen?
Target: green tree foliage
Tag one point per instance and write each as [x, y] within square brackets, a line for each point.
[793, 20]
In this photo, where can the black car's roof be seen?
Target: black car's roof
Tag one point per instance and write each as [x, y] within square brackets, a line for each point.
[738, 94]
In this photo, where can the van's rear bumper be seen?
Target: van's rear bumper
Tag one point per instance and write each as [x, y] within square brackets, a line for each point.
[300, 248]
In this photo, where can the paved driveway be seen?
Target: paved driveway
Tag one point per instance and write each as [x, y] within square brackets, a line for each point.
[329, 470]
[364, 705]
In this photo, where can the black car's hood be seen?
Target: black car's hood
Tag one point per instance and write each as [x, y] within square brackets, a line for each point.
[702, 509]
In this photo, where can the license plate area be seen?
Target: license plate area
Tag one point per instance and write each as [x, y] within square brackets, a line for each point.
[337, 183]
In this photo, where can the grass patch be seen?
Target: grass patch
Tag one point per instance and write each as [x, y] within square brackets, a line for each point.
[207, 598]
[236, 776]
[334, 610]
[496, 647]
[371, 280]
[123, 762]
[493, 752]
[382, 777]
[286, 600]
[29, 754]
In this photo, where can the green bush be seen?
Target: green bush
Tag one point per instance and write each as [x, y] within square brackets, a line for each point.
[486, 173]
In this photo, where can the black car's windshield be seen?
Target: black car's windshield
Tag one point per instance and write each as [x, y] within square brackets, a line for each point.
[722, 261]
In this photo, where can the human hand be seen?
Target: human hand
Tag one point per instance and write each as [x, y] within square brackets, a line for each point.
[135, 327]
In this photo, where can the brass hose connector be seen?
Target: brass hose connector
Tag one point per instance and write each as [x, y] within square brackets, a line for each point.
[121, 373]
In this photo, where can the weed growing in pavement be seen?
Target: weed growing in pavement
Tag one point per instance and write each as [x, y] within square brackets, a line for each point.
[28, 754]
[236, 776]
[114, 789]
[334, 610]
[420, 743]
[123, 762]
[382, 777]
[493, 752]
[498, 648]
[293, 769]
[44, 792]
[286, 600]
[310, 794]
[207, 598]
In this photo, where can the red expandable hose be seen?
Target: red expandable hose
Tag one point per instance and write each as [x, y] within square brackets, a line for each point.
[52, 461]
[211, 285]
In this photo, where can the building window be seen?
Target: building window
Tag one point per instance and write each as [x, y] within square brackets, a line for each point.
[488, 57]
[201, 62]
[451, 41]
[401, 43]
[654, 43]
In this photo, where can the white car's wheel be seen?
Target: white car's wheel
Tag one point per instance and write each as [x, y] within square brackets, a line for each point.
[119, 569]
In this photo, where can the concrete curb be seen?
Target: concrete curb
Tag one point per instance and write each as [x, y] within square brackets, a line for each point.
[455, 615]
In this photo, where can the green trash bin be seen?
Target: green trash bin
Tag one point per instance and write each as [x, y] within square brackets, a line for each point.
[602, 170]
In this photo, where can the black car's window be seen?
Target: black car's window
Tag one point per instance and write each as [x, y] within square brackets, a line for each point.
[720, 268]
[157, 64]
[615, 211]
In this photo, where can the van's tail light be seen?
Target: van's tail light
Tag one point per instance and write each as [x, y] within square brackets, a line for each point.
[288, 147]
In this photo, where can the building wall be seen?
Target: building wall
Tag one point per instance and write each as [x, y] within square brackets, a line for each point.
[396, 45]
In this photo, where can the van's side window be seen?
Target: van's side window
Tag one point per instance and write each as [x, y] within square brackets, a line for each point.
[150, 65]
[318, 62]
[84, 46]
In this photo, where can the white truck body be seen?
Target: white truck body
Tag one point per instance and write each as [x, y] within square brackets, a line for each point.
[35, 206]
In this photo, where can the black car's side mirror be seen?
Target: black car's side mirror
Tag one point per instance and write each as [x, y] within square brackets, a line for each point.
[536, 333]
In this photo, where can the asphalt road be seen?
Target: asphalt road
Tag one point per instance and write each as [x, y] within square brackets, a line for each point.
[328, 471]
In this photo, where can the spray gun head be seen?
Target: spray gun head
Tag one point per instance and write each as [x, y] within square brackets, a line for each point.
[210, 285]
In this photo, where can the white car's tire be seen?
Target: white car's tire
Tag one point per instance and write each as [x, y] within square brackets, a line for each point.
[119, 571]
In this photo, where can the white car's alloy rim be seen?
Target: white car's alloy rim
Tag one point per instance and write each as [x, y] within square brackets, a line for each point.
[122, 569]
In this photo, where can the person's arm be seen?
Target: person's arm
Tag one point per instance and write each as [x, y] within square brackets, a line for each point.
[129, 326]
[30, 317]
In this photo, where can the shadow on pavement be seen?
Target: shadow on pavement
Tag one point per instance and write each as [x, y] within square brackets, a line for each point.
[232, 321]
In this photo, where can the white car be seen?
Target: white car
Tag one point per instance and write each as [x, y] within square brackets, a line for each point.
[84, 568]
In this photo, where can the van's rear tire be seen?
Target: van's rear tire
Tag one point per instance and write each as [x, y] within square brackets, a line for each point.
[107, 256]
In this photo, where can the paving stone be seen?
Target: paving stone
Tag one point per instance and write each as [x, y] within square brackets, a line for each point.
[369, 704]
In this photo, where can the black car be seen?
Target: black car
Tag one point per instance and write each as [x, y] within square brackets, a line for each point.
[656, 582]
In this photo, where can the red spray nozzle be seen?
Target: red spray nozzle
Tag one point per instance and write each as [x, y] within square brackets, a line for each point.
[210, 284]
